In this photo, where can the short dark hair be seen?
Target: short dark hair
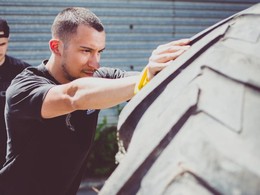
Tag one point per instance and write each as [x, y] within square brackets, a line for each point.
[68, 20]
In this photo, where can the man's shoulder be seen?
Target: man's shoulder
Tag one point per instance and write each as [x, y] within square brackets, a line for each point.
[12, 61]
[33, 73]
[113, 73]
[28, 80]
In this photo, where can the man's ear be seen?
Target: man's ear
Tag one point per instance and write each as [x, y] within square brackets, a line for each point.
[54, 46]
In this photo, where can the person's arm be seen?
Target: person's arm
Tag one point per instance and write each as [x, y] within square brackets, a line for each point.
[99, 93]
[87, 93]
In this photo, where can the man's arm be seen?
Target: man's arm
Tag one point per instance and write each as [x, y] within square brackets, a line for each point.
[87, 93]
[98, 93]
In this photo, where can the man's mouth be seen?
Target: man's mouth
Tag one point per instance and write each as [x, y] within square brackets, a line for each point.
[88, 72]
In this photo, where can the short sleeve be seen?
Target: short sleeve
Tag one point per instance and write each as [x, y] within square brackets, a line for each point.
[113, 73]
[25, 95]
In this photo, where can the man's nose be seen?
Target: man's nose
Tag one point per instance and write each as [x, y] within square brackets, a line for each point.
[94, 61]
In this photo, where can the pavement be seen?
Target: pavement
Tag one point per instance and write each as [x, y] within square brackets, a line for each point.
[90, 186]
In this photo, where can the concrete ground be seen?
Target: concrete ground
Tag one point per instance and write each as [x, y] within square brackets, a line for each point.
[90, 186]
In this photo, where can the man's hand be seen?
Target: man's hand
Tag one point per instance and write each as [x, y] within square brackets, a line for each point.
[164, 54]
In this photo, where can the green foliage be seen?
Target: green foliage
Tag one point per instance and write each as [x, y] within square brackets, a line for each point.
[101, 161]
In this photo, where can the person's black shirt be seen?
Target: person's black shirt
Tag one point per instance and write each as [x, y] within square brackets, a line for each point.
[45, 156]
[8, 70]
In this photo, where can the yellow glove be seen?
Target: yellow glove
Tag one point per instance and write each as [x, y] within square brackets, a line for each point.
[142, 81]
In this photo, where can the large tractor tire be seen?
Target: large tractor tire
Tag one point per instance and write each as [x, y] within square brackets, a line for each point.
[195, 128]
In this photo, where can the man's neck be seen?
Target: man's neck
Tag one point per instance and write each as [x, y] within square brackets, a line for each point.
[53, 67]
[2, 60]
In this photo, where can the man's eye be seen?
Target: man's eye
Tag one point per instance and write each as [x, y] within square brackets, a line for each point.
[85, 51]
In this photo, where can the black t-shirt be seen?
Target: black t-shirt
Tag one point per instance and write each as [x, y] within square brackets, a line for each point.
[8, 70]
[45, 156]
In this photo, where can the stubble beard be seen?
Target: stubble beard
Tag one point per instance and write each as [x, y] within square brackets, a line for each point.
[66, 73]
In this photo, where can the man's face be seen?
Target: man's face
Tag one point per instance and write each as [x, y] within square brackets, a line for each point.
[3, 49]
[81, 56]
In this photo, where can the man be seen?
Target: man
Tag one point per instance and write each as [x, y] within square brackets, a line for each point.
[52, 109]
[9, 68]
